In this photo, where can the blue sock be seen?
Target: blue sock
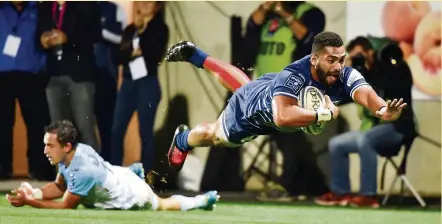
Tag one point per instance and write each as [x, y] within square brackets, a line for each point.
[181, 141]
[198, 58]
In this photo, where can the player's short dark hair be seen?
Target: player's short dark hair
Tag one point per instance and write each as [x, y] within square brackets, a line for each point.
[65, 130]
[359, 41]
[326, 39]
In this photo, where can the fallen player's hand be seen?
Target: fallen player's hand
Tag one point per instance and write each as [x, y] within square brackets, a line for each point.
[19, 199]
[392, 111]
[28, 189]
[331, 106]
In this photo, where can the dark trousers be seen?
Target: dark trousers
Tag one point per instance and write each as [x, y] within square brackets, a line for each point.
[301, 174]
[143, 96]
[74, 101]
[29, 89]
[105, 97]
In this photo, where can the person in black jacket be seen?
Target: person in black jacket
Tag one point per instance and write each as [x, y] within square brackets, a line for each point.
[141, 50]
[67, 32]
[390, 76]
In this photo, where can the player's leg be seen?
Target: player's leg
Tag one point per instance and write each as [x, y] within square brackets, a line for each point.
[205, 201]
[228, 75]
[202, 135]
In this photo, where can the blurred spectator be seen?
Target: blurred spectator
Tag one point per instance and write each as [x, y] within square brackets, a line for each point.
[277, 34]
[143, 46]
[391, 79]
[21, 78]
[113, 21]
[68, 31]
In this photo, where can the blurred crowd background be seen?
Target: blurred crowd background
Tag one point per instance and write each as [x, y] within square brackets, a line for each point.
[73, 60]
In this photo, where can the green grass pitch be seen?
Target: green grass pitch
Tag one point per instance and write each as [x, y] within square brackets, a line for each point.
[224, 213]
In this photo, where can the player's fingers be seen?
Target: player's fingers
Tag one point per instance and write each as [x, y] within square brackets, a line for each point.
[21, 190]
[399, 103]
[25, 185]
[401, 107]
[379, 113]
[12, 198]
[393, 103]
[16, 204]
[327, 99]
[388, 103]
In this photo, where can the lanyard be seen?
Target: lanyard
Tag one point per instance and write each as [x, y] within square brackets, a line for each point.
[59, 23]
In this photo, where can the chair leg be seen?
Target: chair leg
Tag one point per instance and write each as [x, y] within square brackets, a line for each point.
[384, 202]
[401, 194]
[415, 193]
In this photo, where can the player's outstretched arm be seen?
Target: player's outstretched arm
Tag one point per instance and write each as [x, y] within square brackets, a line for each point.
[50, 191]
[286, 113]
[53, 190]
[387, 111]
[70, 201]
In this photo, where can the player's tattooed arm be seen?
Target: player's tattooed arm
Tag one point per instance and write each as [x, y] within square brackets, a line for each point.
[286, 113]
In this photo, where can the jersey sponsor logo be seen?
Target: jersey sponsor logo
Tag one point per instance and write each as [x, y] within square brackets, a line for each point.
[271, 48]
[295, 82]
[353, 77]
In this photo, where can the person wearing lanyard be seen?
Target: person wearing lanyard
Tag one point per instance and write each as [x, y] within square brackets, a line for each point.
[68, 31]
[21, 77]
[141, 50]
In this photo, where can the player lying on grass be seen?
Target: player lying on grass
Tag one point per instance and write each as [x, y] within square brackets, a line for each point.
[270, 103]
[85, 178]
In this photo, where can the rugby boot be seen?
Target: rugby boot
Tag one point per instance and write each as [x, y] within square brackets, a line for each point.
[181, 51]
[209, 200]
[175, 156]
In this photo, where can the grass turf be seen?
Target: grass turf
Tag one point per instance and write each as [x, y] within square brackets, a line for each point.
[224, 213]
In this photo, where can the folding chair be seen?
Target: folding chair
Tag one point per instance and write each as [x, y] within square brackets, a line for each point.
[400, 172]
[270, 157]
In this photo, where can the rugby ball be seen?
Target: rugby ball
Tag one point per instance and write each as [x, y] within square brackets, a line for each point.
[312, 98]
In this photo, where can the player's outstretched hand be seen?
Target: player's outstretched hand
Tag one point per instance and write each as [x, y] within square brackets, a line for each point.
[331, 106]
[19, 199]
[392, 111]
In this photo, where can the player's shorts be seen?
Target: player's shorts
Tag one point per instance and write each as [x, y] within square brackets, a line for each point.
[236, 129]
[138, 194]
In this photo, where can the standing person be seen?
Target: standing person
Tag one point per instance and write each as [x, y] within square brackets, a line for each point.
[68, 32]
[22, 78]
[141, 50]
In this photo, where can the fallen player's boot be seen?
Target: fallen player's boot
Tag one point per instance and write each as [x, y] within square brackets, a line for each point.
[211, 198]
[138, 169]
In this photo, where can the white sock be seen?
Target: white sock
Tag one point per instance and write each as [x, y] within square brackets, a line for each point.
[189, 203]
